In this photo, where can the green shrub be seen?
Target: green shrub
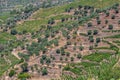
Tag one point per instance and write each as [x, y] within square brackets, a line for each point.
[110, 27]
[12, 73]
[13, 32]
[44, 71]
[23, 76]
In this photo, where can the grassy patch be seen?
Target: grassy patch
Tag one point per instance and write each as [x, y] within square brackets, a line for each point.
[4, 16]
[97, 57]
[58, 17]
[4, 37]
[103, 71]
[5, 65]
[88, 64]
[31, 26]
[43, 13]
[102, 48]
[115, 36]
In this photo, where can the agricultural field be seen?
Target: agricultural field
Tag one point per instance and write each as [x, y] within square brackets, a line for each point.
[75, 41]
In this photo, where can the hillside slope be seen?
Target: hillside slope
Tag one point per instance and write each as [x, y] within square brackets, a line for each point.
[75, 41]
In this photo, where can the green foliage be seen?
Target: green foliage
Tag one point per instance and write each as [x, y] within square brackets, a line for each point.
[115, 36]
[44, 57]
[98, 22]
[91, 48]
[44, 71]
[91, 38]
[51, 21]
[95, 32]
[23, 76]
[24, 67]
[24, 56]
[105, 70]
[58, 51]
[12, 73]
[48, 61]
[81, 48]
[88, 64]
[67, 54]
[107, 14]
[113, 17]
[13, 32]
[98, 40]
[119, 22]
[41, 61]
[72, 58]
[106, 21]
[110, 27]
[97, 56]
[89, 32]
[79, 55]
[89, 24]
[6, 65]
[5, 37]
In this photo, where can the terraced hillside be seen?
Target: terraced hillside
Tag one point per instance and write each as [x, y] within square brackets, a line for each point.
[75, 41]
[13, 9]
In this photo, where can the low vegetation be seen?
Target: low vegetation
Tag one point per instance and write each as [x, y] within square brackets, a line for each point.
[75, 41]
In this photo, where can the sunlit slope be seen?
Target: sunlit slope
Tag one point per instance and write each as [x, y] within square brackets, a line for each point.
[42, 16]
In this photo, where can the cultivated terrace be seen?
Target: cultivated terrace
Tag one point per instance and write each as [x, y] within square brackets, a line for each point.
[79, 40]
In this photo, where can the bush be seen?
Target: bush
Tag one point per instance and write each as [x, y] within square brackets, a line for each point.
[81, 48]
[98, 22]
[110, 27]
[44, 71]
[2, 47]
[68, 37]
[113, 17]
[51, 21]
[41, 61]
[91, 48]
[97, 40]
[67, 54]
[79, 56]
[106, 21]
[72, 58]
[89, 32]
[116, 11]
[66, 59]
[12, 73]
[91, 39]
[13, 32]
[90, 24]
[95, 32]
[63, 19]
[97, 18]
[107, 14]
[24, 67]
[48, 61]
[80, 6]
[61, 58]
[68, 43]
[119, 22]
[23, 76]
[44, 57]
[56, 43]
[67, 68]
[58, 51]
